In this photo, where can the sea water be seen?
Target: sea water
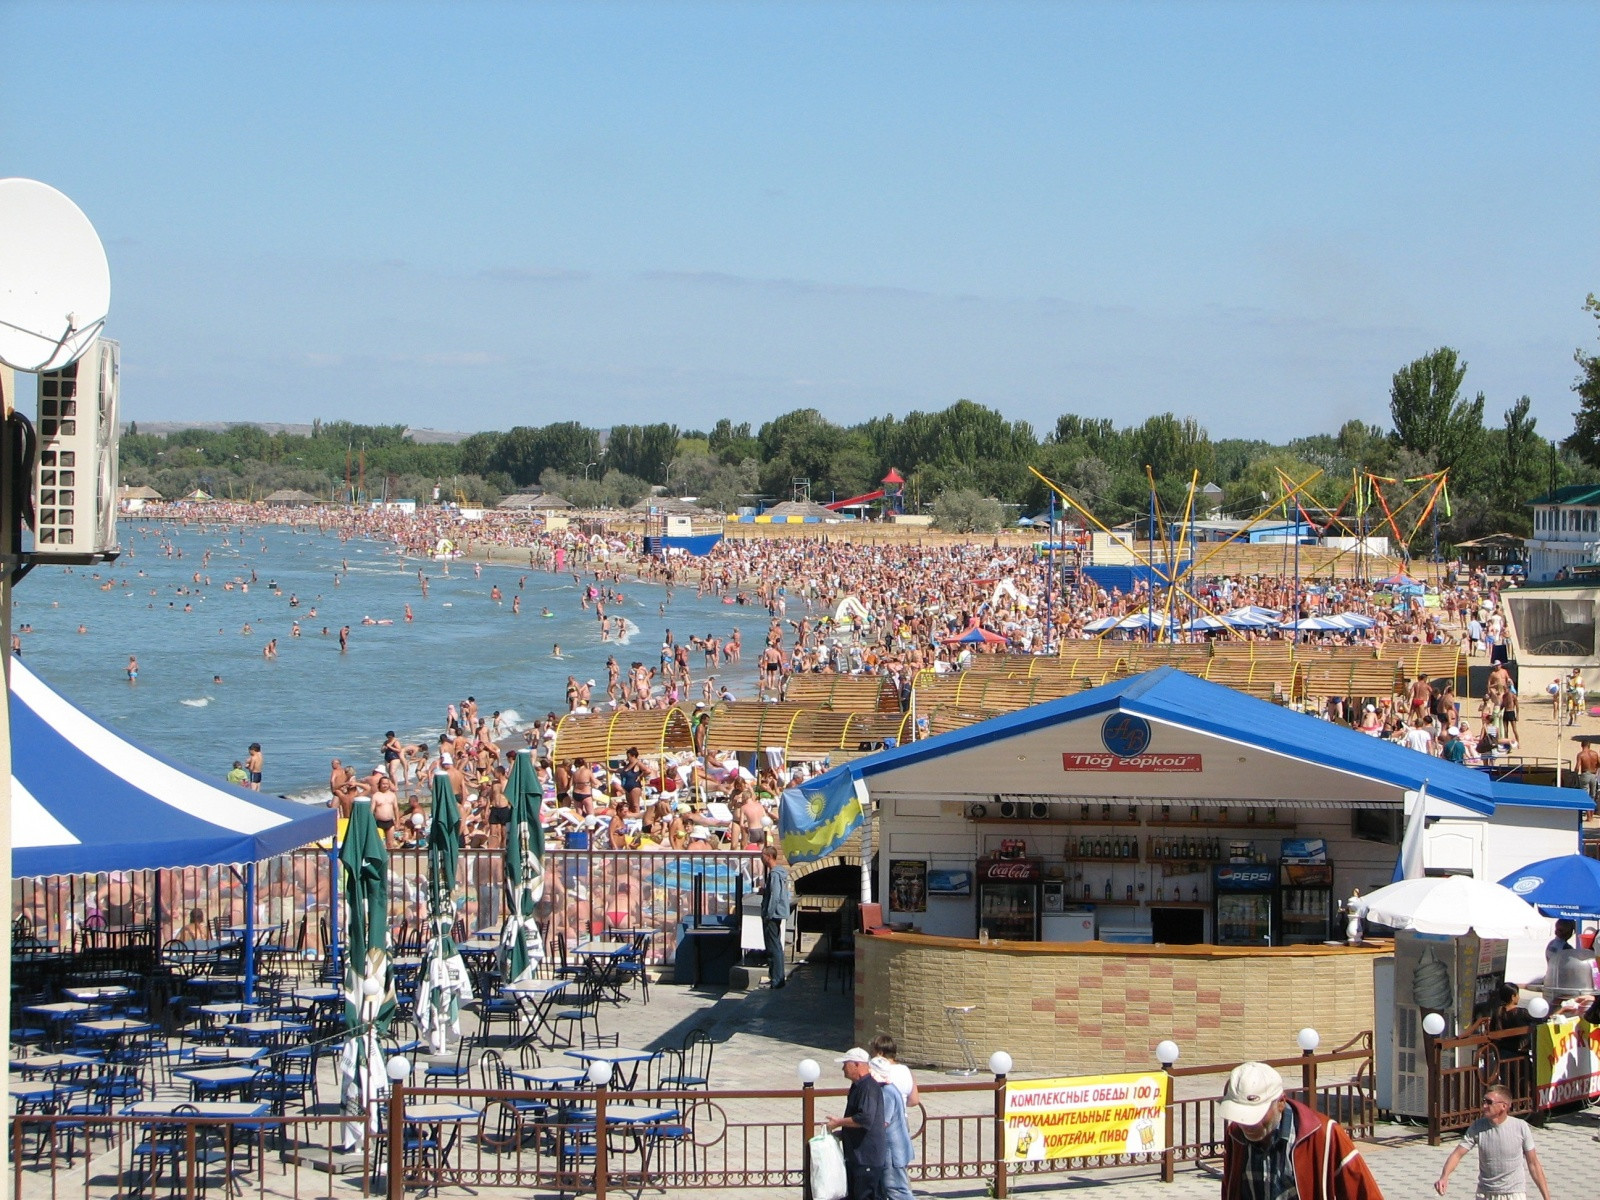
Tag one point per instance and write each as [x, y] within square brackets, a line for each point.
[312, 703]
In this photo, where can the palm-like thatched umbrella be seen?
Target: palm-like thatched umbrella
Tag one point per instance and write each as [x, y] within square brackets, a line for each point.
[368, 974]
[444, 983]
[521, 947]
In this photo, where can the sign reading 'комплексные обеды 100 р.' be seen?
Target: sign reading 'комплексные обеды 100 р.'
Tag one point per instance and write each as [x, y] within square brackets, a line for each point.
[1085, 1116]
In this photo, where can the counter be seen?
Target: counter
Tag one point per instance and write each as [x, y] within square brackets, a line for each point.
[1086, 1007]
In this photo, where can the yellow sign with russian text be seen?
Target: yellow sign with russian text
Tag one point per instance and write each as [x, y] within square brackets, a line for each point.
[1085, 1116]
[1566, 1066]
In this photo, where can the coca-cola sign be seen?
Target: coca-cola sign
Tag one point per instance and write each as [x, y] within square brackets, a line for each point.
[1159, 763]
[1008, 870]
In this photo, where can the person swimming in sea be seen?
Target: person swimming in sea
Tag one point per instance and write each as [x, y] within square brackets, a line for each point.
[556, 651]
[133, 669]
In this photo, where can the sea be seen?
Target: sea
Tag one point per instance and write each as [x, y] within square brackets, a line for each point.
[78, 626]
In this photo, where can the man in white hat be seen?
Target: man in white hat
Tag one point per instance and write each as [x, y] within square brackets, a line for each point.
[1279, 1149]
[862, 1128]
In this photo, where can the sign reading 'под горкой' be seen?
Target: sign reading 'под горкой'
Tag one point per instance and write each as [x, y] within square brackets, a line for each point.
[1085, 1116]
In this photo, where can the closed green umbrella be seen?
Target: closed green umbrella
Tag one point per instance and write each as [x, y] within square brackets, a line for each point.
[444, 982]
[521, 948]
[368, 974]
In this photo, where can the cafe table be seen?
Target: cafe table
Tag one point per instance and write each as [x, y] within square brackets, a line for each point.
[443, 1121]
[602, 966]
[534, 999]
[112, 1030]
[267, 1028]
[316, 995]
[100, 994]
[212, 1082]
[31, 1093]
[219, 1054]
[35, 1063]
[209, 1110]
[549, 1076]
[622, 1059]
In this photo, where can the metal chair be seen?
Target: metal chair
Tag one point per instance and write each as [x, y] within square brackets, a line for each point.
[694, 1062]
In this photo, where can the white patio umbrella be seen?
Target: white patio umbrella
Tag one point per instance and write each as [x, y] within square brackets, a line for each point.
[1452, 905]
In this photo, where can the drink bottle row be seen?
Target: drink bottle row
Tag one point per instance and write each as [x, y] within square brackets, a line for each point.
[1186, 848]
[1108, 847]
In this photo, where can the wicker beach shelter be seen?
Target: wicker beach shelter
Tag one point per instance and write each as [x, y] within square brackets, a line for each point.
[601, 737]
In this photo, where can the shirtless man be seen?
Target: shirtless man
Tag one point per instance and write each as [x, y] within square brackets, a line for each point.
[252, 763]
[342, 785]
[1587, 765]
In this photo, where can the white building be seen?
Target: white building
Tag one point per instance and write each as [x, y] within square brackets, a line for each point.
[1566, 531]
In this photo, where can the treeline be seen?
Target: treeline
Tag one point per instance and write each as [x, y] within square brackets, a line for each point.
[1496, 461]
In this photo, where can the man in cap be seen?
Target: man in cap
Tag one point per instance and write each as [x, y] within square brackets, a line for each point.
[777, 901]
[862, 1129]
[1504, 1143]
[1279, 1149]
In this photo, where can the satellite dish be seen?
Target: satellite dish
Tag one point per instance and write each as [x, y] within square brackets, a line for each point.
[55, 283]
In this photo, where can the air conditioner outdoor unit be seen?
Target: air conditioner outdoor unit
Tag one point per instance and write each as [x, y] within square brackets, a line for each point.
[75, 463]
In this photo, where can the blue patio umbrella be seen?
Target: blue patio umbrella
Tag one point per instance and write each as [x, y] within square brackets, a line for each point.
[1568, 886]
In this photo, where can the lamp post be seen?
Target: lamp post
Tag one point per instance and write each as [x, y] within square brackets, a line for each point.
[600, 1076]
[1166, 1054]
[1000, 1065]
[808, 1072]
[1308, 1040]
[399, 1070]
[1433, 1025]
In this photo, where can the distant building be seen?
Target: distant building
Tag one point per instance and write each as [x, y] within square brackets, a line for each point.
[133, 499]
[1566, 531]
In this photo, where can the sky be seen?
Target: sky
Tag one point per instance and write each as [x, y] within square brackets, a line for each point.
[477, 215]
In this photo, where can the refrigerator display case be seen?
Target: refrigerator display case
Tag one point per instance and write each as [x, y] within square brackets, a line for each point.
[1243, 896]
[1009, 898]
[1306, 907]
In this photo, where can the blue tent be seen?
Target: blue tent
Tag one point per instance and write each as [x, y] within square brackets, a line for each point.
[85, 799]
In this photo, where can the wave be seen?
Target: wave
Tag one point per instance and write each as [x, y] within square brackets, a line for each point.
[317, 797]
[199, 702]
[628, 630]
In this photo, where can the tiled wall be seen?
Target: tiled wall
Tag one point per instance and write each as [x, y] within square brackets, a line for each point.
[1082, 1012]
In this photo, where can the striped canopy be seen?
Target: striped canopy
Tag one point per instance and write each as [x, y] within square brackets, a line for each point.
[86, 799]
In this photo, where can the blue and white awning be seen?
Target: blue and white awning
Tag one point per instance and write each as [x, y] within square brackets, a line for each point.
[85, 799]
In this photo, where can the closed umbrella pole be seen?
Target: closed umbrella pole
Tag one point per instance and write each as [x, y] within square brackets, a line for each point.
[444, 984]
[369, 975]
[521, 947]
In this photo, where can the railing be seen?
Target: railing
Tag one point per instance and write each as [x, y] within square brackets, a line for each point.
[1462, 1068]
[125, 915]
[1195, 1129]
[593, 1139]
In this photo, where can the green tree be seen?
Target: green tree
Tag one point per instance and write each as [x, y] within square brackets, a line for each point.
[961, 510]
[1430, 418]
[1585, 438]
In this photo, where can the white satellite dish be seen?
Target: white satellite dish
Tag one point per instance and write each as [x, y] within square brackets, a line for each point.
[55, 283]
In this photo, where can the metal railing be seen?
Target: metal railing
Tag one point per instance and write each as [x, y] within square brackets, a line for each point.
[87, 921]
[601, 1137]
[1462, 1068]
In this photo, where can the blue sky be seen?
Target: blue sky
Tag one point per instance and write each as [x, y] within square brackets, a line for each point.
[475, 215]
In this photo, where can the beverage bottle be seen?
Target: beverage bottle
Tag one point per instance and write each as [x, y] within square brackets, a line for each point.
[1108, 887]
[1194, 892]
[1130, 891]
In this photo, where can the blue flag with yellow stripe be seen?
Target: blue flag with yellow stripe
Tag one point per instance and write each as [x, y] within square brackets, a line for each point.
[817, 817]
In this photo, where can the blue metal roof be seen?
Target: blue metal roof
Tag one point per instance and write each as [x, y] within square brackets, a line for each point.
[84, 798]
[1529, 795]
[1167, 694]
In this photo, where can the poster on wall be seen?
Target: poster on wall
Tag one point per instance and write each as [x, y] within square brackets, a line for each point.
[908, 885]
[1085, 1117]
